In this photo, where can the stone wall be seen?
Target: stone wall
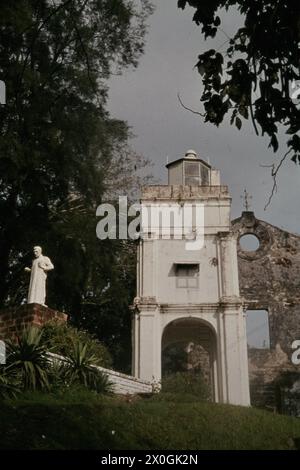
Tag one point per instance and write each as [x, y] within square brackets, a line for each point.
[126, 384]
[14, 319]
[269, 280]
[181, 192]
[122, 384]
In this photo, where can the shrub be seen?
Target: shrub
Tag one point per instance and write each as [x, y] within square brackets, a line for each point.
[60, 338]
[27, 360]
[30, 367]
[189, 383]
[8, 389]
[80, 368]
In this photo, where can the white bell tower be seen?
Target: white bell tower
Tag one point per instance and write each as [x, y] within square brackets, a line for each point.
[187, 278]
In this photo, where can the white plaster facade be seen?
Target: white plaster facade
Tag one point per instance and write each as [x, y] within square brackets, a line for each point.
[210, 311]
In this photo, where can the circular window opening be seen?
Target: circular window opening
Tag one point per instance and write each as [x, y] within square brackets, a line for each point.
[249, 242]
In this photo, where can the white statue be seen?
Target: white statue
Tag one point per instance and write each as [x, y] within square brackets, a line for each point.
[37, 287]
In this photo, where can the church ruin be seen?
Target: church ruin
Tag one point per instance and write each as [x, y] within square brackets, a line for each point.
[202, 295]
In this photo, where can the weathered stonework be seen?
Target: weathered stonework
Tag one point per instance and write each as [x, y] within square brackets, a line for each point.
[269, 280]
[198, 361]
[14, 319]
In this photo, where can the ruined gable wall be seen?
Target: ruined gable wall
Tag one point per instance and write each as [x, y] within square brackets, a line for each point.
[270, 279]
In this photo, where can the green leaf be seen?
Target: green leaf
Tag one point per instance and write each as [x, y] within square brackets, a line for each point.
[238, 123]
[266, 66]
[274, 143]
[243, 110]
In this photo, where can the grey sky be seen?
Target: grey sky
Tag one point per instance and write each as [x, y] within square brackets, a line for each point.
[147, 99]
[258, 329]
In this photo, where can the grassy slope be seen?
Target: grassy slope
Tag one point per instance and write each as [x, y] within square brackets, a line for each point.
[84, 421]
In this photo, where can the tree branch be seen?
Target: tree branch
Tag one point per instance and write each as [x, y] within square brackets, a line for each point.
[29, 50]
[62, 5]
[189, 109]
[252, 115]
[274, 173]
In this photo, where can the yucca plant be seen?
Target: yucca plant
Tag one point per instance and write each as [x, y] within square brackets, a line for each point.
[28, 358]
[79, 368]
[8, 387]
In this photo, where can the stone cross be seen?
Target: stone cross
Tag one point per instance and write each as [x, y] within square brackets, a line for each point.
[246, 197]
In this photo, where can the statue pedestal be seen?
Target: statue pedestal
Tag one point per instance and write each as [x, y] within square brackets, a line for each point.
[14, 319]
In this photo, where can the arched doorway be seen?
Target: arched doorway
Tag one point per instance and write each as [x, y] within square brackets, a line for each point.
[189, 345]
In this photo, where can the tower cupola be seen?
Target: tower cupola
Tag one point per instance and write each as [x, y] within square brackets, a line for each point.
[189, 170]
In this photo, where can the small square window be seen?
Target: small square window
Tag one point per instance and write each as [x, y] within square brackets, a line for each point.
[181, 282]
[187, 275]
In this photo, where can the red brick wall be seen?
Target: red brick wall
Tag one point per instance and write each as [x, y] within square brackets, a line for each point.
[14, 319]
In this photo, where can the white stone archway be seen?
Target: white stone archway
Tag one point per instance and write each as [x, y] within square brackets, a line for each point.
[227, 321]
[199, 332]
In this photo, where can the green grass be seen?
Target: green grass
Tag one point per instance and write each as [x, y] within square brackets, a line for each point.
[82, 420]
